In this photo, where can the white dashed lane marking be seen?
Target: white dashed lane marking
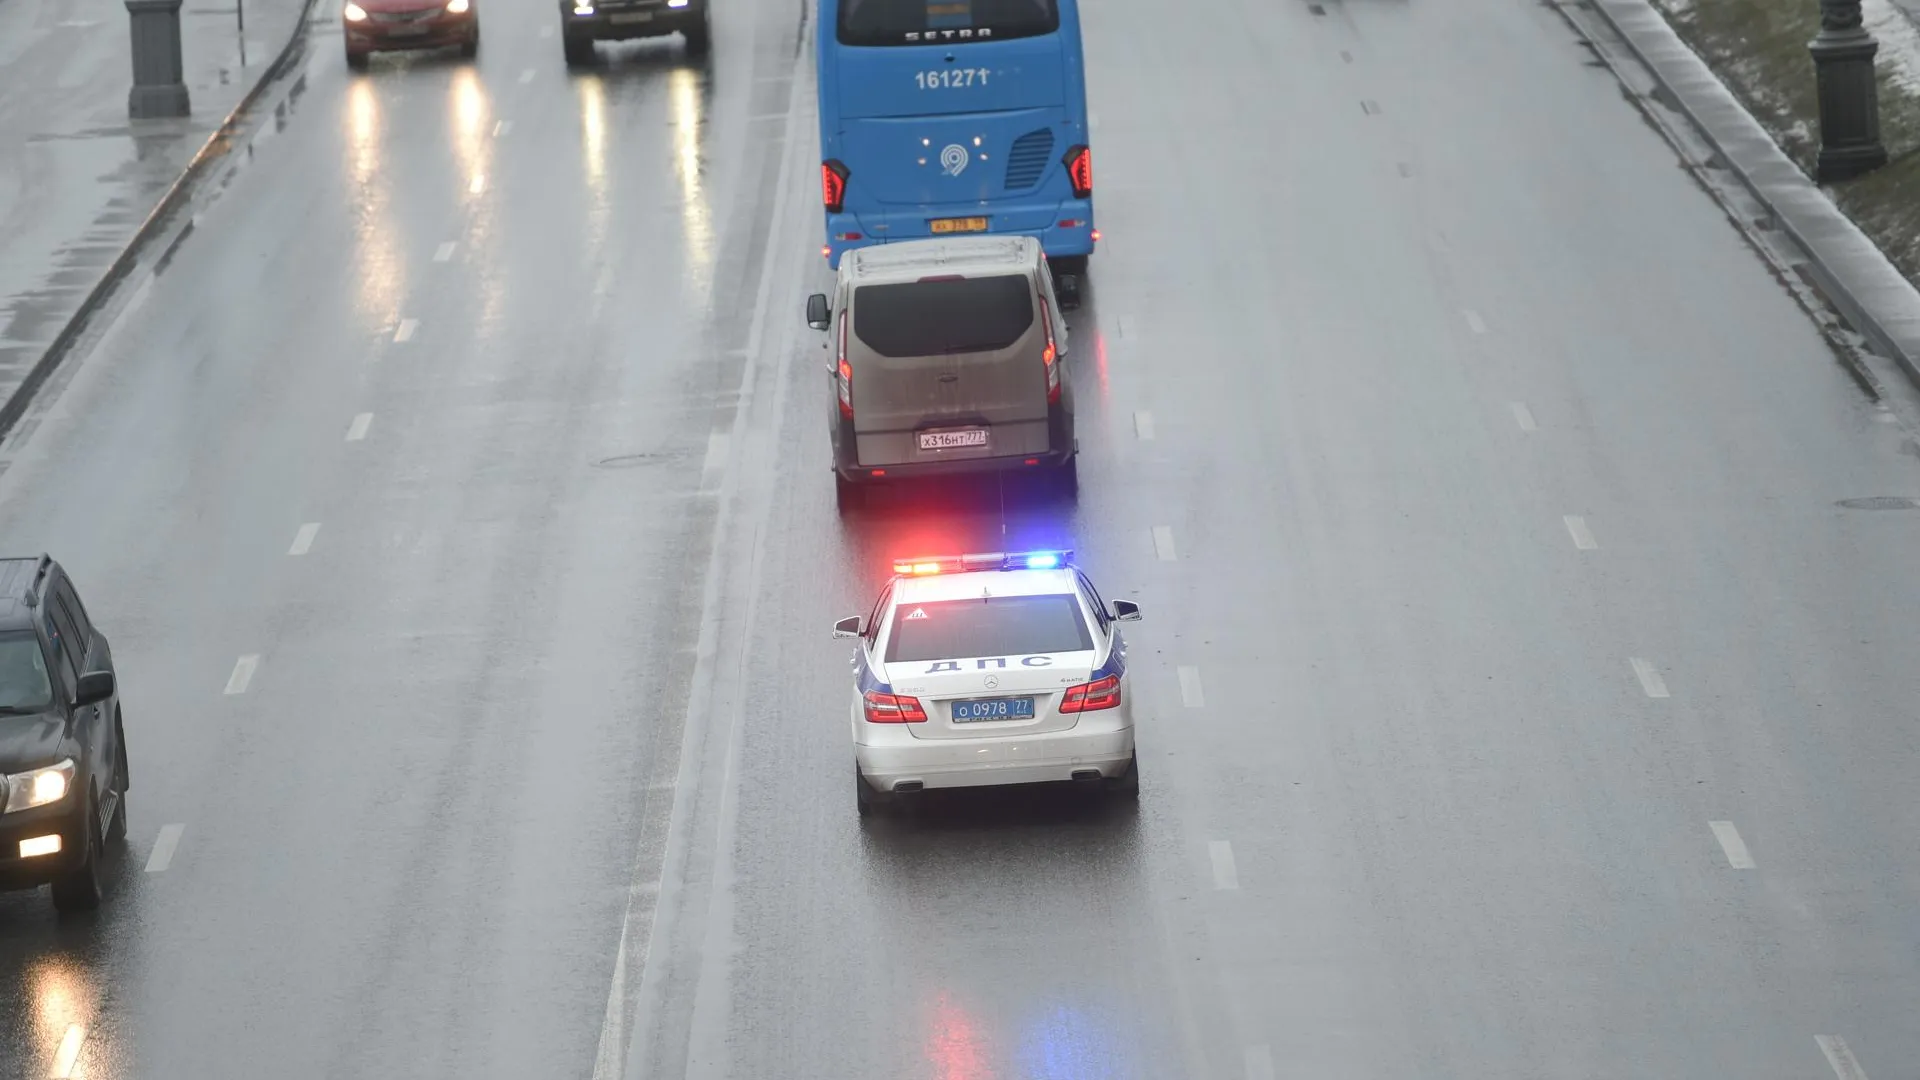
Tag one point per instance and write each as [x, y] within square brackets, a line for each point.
[1840, 1057]
[303, 540]
[1143, 424]
[1522, 415]
[1163, 543]
[164, 847]
[526, 76]
[358, 429]
[243, 669]
[478, 185]
[1649, 676]
[1190, 693]
[1225, 875]
[1582, 536]
[68, 1056]
[1730, 842]
[405, 331]
[444, 252]
[502, 127]
[1475, 322]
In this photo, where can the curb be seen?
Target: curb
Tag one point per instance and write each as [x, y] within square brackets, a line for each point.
[1848, 269]
[16, 405]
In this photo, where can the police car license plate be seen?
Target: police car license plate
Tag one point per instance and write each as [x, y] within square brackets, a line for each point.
[953, 440]
[970, 712]
[632, 17]
[959, 224]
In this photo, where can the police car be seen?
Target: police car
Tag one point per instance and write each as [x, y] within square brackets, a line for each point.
[981, 670]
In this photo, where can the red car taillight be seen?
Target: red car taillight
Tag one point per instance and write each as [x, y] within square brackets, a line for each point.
[844, 378]
[1050, 357]
[833, 185]
[1079, 162]
[893, 708]
[1092, 697]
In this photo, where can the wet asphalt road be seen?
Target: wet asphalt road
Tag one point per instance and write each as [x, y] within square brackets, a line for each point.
[1436, 399]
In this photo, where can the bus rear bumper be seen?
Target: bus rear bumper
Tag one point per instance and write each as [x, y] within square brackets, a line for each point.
[1065, 229]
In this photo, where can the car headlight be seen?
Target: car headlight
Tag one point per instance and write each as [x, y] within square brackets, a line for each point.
[354, 12]
[459, 7]
[39, 787]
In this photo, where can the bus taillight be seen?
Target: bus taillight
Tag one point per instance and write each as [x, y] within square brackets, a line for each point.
[1079, 162]
[833, 185]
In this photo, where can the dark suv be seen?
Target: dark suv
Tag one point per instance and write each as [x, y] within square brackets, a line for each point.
[63, 753]
[583, 22]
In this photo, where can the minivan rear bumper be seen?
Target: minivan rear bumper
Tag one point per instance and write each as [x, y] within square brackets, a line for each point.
[1041, 219]
[1061, 447]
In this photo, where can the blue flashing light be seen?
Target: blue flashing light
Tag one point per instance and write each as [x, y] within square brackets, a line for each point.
[1045, 561]
[923, 565]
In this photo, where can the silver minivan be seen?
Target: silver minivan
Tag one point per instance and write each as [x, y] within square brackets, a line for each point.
[945, 356]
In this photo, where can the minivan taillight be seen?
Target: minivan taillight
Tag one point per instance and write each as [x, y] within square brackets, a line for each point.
[1079, 162]
[1092, 697]
[1050, 357]
[843, 374]
[893, 708]
[833, 185]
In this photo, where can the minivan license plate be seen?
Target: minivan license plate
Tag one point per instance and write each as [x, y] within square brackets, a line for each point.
[959, 224]
[952, 440]
[632, 17]
[969, 712]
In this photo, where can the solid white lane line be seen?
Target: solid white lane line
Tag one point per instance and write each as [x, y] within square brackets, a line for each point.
[1523, 416]
[303, 540]
[1650, 679]
[1225, 875]
[1474, 322]
[1731, 843]
[1163, 543]
[479, 183]
[1259, 1063]
[164, 847]
[405, 332]
[1840, 1057]
[501, 127]
[1143, 424]
[526, 76]
[1582, 536]
[358, 429]
[718, 443]
[243, 669]
[1190, 687]
[68, 1055]
[444, 252]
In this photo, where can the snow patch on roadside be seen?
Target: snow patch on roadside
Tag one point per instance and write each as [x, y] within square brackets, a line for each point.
[1899, 39]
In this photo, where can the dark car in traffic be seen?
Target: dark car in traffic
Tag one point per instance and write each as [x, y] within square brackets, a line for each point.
[63, 749]
[583, 22]
[390, 25]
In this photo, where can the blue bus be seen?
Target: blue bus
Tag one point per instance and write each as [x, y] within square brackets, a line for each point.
[940, 117]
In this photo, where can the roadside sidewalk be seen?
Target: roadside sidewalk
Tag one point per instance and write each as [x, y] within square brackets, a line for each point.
[78, 179]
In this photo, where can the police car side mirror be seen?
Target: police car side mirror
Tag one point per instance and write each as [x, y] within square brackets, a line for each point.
[1126, 611]
[817, 311]
[847, 627]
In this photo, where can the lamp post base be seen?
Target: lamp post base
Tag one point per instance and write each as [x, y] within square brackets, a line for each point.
[158, 102]
[1850, 143]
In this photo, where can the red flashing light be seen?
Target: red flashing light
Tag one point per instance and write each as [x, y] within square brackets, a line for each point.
[893, 708]
[833, 185]
[1092, 697]
[1079, 163]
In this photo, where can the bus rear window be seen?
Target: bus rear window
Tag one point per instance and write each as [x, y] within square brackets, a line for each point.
[916, 22]
[944, 317]
[993, 626]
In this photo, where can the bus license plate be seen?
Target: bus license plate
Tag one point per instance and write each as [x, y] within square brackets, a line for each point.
[959, 224]
[953, 440]
[972, 712]
[632, 17]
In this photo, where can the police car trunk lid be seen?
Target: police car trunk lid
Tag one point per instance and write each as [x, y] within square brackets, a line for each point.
[939, 684]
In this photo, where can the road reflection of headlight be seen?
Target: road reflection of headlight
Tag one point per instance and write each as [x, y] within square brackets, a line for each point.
[39, 787]
[355, 13]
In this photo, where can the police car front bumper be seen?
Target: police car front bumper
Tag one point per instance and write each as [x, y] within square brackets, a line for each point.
[889, 755]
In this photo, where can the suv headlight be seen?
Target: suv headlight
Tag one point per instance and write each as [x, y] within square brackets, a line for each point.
[39, 787]
[459, 7]
[354, 12]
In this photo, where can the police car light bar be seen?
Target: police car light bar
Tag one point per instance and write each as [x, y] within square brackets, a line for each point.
[995, 560]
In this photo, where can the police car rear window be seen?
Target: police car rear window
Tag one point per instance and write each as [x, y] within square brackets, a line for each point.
[939, 318]
[913, 22]
[994, 626]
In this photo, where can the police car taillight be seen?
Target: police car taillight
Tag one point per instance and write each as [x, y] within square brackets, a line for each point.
[922, 565]
[893, 708]
[1092, 697]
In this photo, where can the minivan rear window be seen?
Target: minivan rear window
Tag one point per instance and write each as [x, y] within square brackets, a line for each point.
[915, 22]
[989, 626]
[937, 318]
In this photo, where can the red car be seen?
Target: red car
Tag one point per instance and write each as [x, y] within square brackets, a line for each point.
[379, 25]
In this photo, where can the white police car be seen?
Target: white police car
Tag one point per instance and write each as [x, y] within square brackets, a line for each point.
[981, 670]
